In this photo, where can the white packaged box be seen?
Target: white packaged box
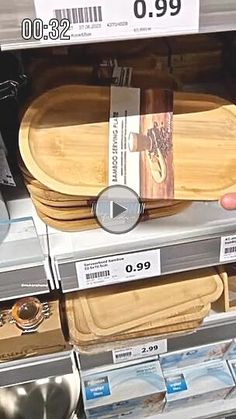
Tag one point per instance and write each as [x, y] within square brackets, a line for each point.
[194, 355]
[232, 367]
[136, 390]
[231, 353]
[206, 382]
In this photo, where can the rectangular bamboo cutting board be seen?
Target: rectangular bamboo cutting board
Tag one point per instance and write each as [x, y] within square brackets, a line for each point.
[64, 143]
[80, 333]
[124, 306]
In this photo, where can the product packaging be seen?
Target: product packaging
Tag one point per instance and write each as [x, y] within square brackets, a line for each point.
[136, 390]
[232, 367]
[231, 353]
[198, 354]
[201, 383]
[47, 337]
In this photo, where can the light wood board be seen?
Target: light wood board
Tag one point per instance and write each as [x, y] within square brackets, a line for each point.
[108, 310]
[64, 142]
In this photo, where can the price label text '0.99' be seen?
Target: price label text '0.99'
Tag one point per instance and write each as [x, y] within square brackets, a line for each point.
[159, 9]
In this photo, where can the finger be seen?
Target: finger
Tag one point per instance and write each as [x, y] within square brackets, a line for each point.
[229, 201]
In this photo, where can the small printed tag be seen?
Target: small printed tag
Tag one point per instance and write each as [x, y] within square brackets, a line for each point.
[97, 388]
[141, 351]
[176, 383]
[140, 141]
[6, 177]
[228, 248]
[115, 269]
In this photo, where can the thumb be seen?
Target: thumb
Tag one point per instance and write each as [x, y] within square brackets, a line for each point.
[229, 201]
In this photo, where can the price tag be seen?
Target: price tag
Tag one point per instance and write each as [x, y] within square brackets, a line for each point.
[228, 248]
[92, 20]
[115, 269]
[141, 351]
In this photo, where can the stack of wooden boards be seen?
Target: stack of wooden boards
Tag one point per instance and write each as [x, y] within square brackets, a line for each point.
[157, 307]
[75, 213]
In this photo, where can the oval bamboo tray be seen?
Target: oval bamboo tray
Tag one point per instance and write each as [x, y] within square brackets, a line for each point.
[64, 214]
[90, 223]
[57, 128]
[81, 212]
[69, 226]
[187, 289]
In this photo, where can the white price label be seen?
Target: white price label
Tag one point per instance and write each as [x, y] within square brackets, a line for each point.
[141, 351]
[228, 248]
[90, 20]
[115, 269]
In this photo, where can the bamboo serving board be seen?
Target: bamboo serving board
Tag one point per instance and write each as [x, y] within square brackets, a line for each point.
[76, 162]
[90, 223]
[80, 332]
[37, 189]
[64, 214]
[62, 204]
[115, 308]
[77, 318]
[81, 212]
[69, 226]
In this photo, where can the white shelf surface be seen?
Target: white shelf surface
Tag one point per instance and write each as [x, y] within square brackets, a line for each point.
[215, 16]
[214, 409]
[188, 240]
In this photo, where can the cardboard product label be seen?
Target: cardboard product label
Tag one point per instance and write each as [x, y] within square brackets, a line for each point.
[140, 141]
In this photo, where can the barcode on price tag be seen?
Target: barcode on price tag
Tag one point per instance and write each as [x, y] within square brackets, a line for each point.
[115, 269]
[80, 14]
[94, 20]
[140, 351]
[228, 248]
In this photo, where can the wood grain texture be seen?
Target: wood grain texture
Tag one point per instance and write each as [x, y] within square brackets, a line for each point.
[115, 308]
[68, 223]
[81, 333]
[64, 142]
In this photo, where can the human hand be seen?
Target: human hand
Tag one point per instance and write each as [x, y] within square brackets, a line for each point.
[229, 201]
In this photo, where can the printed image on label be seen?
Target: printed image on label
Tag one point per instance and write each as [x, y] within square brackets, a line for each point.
[140, 141]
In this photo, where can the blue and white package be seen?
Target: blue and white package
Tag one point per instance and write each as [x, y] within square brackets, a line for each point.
[197, 354]
[231, 354]
[135, 390]
[200, 383]
[232, 367]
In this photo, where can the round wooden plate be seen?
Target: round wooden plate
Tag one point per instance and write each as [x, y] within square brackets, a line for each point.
[64, 142]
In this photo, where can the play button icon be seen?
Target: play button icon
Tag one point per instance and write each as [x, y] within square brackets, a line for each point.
[118, 209]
